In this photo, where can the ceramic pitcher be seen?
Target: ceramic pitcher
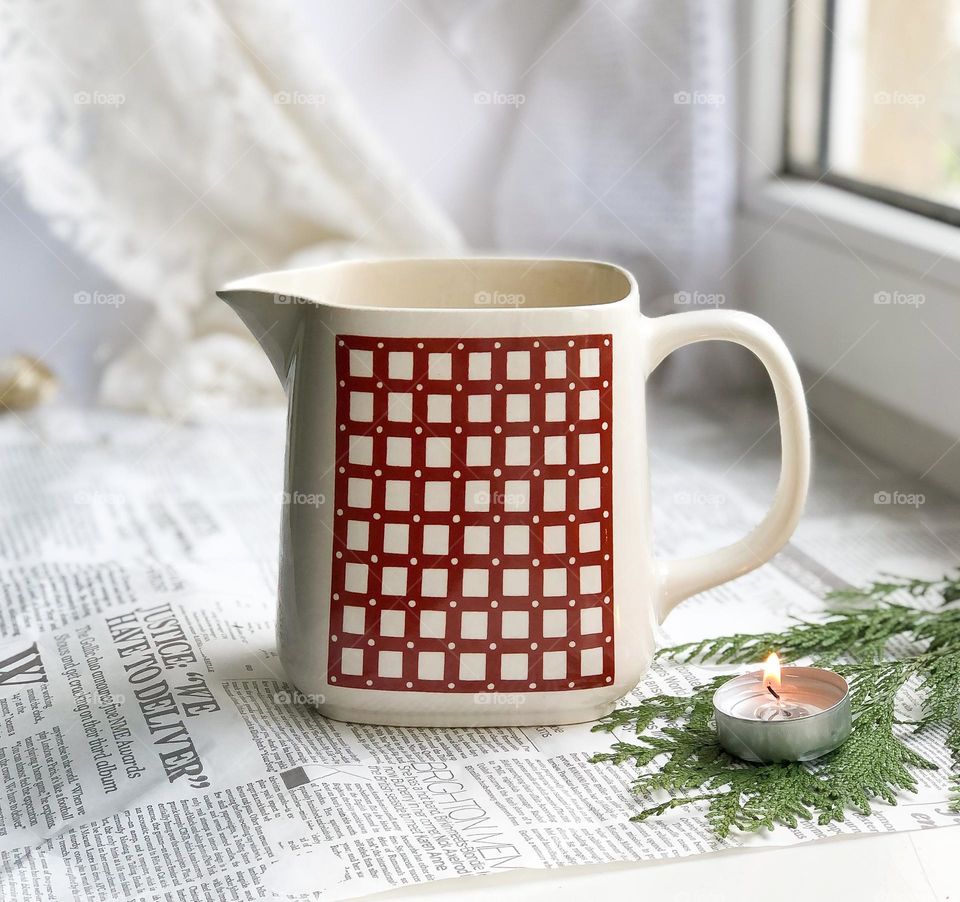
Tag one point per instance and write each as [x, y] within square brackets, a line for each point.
[469, 440]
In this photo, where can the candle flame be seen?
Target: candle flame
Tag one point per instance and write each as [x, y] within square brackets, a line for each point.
[771, 672]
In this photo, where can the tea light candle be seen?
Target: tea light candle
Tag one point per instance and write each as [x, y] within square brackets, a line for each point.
[783, 714]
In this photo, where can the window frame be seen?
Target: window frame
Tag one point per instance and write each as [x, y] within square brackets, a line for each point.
[819, 170]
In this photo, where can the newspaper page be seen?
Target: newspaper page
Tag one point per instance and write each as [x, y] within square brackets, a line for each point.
[151, 748]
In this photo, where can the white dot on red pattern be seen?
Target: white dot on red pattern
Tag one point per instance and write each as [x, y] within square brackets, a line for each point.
[333, 639]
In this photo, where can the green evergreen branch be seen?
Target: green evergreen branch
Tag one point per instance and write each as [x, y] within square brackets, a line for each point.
[676, 748]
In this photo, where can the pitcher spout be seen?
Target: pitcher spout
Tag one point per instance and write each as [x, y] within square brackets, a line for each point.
[275, 320]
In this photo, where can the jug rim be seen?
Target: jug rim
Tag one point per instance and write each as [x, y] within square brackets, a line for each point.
[621, 284]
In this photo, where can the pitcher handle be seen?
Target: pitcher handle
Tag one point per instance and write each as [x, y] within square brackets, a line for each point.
[682, 577]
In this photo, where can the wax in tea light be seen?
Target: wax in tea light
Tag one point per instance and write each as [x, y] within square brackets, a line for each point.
[783, 714]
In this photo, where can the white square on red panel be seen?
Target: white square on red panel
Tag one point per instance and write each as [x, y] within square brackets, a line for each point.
[396, 538]
[478, 450]
[475, 583]
[479, 366]
[589, 363]
[554, 624]
[355, 579]
[361, 450]
[400, 407]
[394, 581]
[478, 408]
[590, 405]
[516, 539]
[590, 493]
[390, 664]
[361, 406]
[473, 625]
[589, 448]
[556, 364]
[555, 449]
[433, 624]
[513, 666]
[516, 495]
[518, 364]
[353, 619]
[361, 363]
[469, 471]
[436, 538]
[515, 625]
[476, 496]
[440, 366]
[430, 665]
[517, 450]
[439, 408]
[476, 540]
[554, 539]
[555, 581]
[434, 583]
[397, 496]
[398, 451]
[358, 535]
[392, 623]
[556, 407]
[400, 365]
[438, 451]
[554, 665]
[436, 496]
[352, 661]
[516, 582]
[473, 666]
[518, 408]
[589, 537]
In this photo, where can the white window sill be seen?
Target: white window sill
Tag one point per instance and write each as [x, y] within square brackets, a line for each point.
[908, 241]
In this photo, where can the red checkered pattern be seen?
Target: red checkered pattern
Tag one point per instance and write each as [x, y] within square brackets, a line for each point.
[473, 543]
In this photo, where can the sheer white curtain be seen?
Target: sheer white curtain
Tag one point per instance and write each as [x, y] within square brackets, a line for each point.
[178, 145]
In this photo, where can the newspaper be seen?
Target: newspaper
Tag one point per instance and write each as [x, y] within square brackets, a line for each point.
[151, 748]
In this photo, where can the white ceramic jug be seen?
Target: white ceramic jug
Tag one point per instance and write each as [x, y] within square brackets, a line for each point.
[469, 437]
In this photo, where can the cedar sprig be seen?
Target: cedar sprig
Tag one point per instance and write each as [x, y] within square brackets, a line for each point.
[676, 748]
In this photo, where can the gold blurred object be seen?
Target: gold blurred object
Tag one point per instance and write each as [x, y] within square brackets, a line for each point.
[25, 382]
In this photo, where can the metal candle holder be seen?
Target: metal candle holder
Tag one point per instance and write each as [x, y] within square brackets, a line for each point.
[808, 717]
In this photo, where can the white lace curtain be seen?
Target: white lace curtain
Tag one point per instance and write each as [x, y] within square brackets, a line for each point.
[180, 145]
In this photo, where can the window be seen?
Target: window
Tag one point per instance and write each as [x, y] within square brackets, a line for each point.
[874, 100]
